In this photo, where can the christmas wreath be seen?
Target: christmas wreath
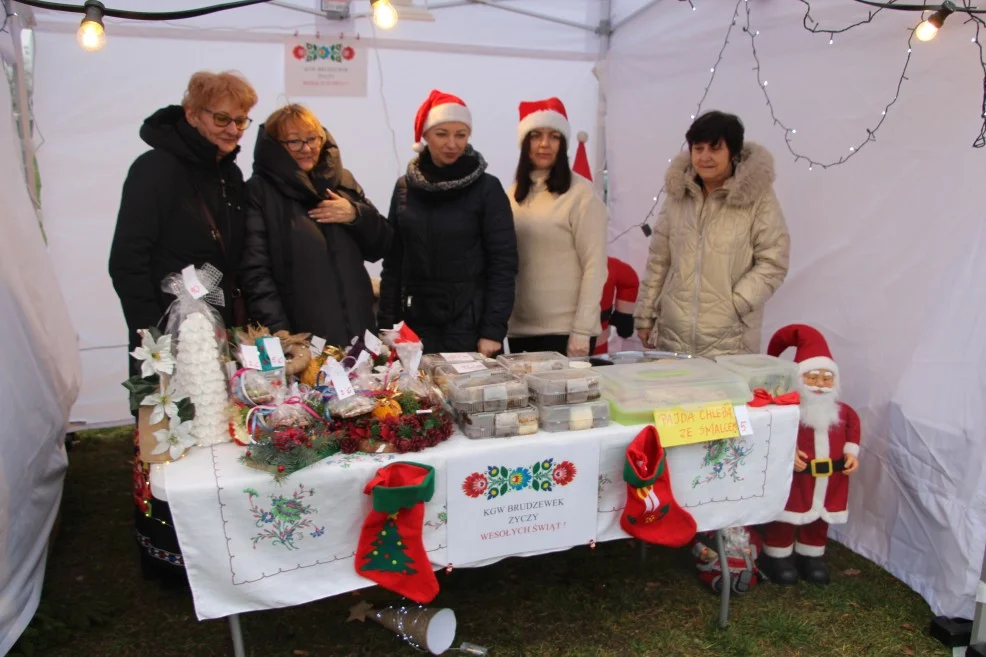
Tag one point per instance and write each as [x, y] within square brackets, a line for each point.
[398, 424]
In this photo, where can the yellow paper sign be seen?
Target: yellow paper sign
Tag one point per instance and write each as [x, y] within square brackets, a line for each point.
[698, 423]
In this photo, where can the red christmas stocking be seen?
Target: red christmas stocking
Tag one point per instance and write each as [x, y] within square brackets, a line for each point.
[390, 551]
[651, 513]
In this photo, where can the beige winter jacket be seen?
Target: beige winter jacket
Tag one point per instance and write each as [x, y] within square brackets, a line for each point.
[714, 261]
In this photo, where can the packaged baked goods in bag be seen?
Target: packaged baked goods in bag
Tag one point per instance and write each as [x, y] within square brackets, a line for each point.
[199, 340]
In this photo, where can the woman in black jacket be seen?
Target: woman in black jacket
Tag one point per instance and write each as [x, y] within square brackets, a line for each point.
[309, 230]
[450, 271]
[182, 205]
[183, 201]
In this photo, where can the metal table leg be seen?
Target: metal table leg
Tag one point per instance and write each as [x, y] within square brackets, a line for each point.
[726, 580]
[237, 633]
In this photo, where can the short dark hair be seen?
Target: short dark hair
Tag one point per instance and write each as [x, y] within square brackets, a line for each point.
[714, 125]
[559, 179]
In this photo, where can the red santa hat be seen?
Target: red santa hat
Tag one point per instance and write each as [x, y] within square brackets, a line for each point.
[440, 107]
[549, 113]
[581, 165]
[812, 349]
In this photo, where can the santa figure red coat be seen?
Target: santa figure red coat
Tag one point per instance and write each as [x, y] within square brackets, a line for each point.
[828, 432]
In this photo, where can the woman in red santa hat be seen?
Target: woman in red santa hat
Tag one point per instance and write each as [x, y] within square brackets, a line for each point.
[450, 271]
[827, 452]
[561, 239]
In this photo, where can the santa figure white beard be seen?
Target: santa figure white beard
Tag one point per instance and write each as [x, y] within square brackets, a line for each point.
[819, 407]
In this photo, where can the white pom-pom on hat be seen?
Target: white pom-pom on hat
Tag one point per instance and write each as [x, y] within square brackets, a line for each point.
[418, 147]
[583, 136]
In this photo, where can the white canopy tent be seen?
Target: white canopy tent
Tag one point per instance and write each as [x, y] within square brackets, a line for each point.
[890, 286]
[888, 249]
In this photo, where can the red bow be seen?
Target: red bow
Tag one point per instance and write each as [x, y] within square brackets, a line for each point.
[762, 398]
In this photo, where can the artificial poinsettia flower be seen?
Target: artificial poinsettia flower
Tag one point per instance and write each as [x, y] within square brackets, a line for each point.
[155, 355]
[175, 439]
[164, 403]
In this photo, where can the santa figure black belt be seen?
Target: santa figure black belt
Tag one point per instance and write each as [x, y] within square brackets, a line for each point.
[826, 456]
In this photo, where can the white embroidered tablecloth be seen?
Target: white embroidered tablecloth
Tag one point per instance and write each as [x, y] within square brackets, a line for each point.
[251, 544]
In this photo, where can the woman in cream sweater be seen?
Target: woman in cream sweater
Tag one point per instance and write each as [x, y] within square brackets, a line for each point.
[561, 240]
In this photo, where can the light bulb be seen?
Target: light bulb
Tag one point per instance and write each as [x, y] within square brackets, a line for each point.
[384, 14]
[91, 35]
[926, 31]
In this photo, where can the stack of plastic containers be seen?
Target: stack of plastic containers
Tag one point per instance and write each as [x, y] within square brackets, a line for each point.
[776, 376]
[568, 400]
[636, 391]
[492, 404]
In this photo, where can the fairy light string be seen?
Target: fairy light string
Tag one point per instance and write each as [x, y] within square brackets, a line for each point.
[810, 24]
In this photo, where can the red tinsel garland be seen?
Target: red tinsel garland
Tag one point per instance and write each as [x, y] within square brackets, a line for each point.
[389, 430]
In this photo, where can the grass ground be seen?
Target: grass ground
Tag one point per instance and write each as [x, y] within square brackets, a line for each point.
[581, 602]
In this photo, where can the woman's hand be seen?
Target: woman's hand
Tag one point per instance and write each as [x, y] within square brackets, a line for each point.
[644, 335]
[488, 347]
[578, 346]
[334, 210]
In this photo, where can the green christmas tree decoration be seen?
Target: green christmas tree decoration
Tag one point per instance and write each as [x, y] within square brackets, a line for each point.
[389, 552]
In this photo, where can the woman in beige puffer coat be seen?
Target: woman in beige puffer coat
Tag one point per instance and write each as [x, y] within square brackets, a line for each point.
[720, 248]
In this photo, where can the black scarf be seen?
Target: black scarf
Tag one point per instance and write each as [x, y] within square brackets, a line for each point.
[424, 174]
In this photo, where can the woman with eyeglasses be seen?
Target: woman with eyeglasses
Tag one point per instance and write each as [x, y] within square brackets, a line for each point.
[182, 204]
[183, 201]
[310, 228]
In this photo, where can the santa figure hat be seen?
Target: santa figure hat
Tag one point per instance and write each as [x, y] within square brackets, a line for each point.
[581, 165]
[812, 349]
[440, 107]
[549, 113]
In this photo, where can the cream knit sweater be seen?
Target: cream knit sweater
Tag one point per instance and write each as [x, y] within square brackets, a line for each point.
[561, 245]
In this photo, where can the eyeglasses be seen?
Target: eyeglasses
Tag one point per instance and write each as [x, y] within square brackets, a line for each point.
[298, 145]
[221, 119]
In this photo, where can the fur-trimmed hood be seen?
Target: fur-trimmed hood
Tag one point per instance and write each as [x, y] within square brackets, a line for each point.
[754, 176]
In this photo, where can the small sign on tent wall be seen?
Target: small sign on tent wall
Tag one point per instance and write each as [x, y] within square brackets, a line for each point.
[325, 67]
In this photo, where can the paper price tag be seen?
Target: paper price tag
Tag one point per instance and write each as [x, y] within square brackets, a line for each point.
[274, 352]
[251, 357]
[340, 380]
[412, 366]
[743, 420]
[192, 282]
[471, 366]
[457, 358]
[364, 357]
[696, 423]
[372, 343]
[317, 346]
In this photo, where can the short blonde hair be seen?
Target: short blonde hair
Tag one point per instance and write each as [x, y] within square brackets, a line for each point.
[278, 124]
[206, 88]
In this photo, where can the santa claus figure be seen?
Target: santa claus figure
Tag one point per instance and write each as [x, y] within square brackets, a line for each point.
[828, 447]
[619, 300]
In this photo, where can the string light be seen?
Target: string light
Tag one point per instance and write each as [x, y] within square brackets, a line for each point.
[811, 25]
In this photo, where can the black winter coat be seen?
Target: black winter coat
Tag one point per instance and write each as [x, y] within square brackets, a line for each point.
[450, 272]
[161, 228]
[300, 275]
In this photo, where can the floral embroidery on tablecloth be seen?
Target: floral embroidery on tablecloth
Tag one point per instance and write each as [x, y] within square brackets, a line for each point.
[346, 461]
[286, 521]
[724, 457]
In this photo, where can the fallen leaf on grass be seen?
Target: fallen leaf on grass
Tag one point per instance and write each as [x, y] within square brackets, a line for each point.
[852, 572]
[650, 586]
[909, 627]
[908, 651]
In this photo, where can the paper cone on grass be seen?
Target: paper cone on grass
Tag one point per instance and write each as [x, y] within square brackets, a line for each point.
[429, 627]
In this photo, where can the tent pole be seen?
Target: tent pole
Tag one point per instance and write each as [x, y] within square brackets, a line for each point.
[979, 619]
[534, 14]
[22, 18]
[605, 36]
[316, 12]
